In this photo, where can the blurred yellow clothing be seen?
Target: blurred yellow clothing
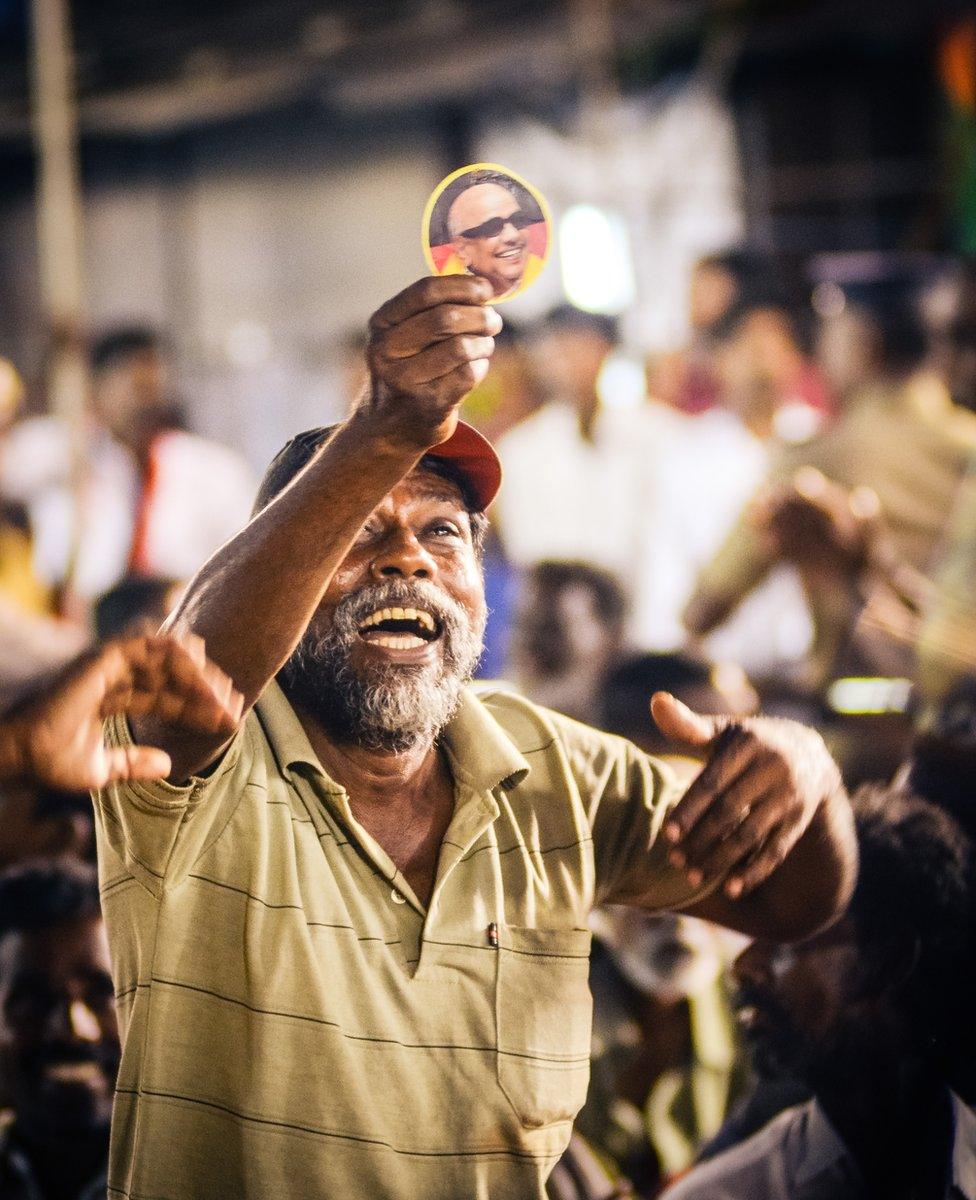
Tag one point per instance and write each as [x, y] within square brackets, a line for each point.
[533, 269]
[18, 580]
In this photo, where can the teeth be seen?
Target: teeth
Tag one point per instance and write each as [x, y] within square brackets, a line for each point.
[399, 641]
[400, 614]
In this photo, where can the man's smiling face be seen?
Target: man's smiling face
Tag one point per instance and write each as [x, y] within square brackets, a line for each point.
[501, 255]
[399, 629]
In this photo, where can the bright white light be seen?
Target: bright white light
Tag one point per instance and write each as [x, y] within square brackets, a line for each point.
[621, 382]
[248, 344]
[597, 267]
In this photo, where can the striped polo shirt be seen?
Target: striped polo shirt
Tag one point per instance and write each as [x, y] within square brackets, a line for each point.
[297, 1026]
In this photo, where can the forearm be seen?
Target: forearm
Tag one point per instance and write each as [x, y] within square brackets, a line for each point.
[738, 567]
[253, 600]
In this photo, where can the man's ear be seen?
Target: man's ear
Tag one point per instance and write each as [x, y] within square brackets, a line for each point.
[461, 250]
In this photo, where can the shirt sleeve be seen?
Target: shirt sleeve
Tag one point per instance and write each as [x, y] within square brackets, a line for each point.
[159, 830]
[628, 796]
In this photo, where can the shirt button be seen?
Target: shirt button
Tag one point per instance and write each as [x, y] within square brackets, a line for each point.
[397, 898]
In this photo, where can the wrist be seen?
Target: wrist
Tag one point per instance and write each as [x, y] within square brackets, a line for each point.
[387, 436]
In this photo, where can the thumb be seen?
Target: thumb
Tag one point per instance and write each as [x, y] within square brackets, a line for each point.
[137, 762]
[680, 724]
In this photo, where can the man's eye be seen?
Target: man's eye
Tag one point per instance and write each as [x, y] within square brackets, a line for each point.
[445, 529]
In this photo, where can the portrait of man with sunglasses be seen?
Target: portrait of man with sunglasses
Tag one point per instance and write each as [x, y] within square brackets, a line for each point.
[488, 226]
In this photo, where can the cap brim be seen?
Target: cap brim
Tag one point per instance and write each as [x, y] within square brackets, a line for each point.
[475, 458]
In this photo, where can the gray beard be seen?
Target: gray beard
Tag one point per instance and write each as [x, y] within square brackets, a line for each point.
[389, 706]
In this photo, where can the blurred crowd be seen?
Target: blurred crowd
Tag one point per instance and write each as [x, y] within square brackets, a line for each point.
[786, 521]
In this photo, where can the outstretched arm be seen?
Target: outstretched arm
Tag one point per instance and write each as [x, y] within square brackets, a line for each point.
[55, 737]
[253, 600]
[767, 818]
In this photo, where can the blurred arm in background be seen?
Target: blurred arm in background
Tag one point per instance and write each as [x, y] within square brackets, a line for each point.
[55, 737]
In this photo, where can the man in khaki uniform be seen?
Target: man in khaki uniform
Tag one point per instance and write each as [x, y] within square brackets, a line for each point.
[350, 943]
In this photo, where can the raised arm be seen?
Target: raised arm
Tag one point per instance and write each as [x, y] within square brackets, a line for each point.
[253, 600]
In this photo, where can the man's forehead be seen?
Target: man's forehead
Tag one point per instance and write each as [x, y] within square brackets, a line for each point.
[424, 484]
[481, 202]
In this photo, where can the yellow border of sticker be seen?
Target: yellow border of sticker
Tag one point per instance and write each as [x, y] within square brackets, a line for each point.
[534, 192]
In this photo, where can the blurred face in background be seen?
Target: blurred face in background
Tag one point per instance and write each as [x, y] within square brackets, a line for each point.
[488, 229]
[714, 289]
[507, 395]
[560, 628]
[847, 350]
[569, 361]
[59, 1041]
[129, 391]
[668, 956]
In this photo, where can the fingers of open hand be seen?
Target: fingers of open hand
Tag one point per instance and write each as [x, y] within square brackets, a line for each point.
[723, 818]
[732, 751]
[436, 325]
[196, 691]
[429, 293]
[763, 861]
[171, 678]
[726, 857]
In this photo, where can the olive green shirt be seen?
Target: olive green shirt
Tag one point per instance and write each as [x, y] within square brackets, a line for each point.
[297, 1026]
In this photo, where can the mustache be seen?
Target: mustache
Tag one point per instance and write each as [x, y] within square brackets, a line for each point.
[451, 617]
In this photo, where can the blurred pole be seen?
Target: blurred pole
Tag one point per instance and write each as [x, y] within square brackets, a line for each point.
[592, 36]
[59, 236]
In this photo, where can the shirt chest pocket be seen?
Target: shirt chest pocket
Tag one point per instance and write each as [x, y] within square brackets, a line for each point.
[544, 1014]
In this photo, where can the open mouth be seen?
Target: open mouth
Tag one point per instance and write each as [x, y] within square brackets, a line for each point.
[400, 628]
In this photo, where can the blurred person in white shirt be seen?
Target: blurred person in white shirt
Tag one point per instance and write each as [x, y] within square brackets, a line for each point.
[154, 498]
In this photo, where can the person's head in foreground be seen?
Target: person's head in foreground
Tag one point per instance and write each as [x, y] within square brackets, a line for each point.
[59, 1042]
[880, 987]
[487, 226]
[400, 627]
[871, 1013]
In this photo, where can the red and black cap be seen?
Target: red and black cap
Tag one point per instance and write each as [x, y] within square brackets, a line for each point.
[471, 456]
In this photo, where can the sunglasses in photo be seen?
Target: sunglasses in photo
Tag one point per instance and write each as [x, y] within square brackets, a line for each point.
[493, 227]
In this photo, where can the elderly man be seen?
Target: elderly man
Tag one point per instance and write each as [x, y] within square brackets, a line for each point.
[488, 229]
[350, 943]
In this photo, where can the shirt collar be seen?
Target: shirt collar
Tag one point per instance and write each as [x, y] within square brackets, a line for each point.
[963, 1148]
[822, 1149]
[481, 754]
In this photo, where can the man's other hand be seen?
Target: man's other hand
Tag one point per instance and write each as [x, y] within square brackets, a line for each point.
[56, 737]
[764, 781]
[428, 347]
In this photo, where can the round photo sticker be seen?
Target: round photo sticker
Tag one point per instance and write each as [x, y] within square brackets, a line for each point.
[486, 220]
